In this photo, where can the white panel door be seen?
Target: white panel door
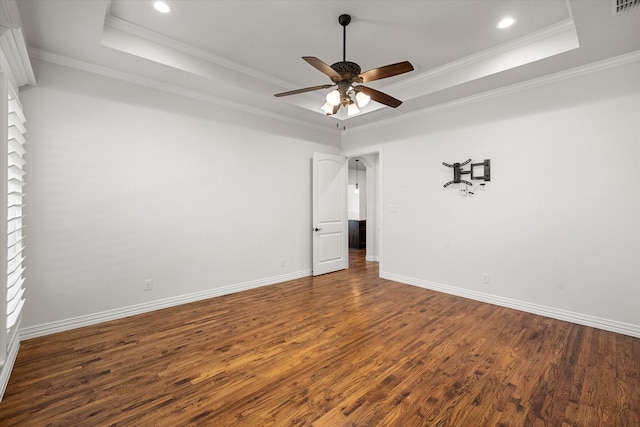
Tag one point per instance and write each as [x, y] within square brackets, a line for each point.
[330, 239]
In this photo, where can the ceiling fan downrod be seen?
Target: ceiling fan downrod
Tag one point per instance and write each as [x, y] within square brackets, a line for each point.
[348, 70]
[344, 20]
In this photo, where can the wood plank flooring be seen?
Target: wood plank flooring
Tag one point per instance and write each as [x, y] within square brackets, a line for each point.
[343, 349]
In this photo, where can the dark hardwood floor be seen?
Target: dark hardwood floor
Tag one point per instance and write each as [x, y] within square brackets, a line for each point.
[343, 349]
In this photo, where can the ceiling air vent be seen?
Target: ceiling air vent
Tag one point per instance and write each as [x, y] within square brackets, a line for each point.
[623, 6]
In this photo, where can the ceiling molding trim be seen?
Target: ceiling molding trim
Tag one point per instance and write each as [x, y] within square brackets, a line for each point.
[9, 13]
[567, 3]
[604, 64]
[551, 40]
[127, 37]
[114, 23]
[544, 34]
[170, 88]
[108, 8]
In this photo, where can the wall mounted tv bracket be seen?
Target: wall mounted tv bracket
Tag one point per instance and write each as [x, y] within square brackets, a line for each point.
[473, 171]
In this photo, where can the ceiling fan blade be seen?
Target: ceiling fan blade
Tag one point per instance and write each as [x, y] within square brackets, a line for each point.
[386, 71]
[378, 96]
[303, 90]
[315, 62]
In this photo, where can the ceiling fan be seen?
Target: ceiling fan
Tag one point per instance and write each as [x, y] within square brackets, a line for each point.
[345, 74]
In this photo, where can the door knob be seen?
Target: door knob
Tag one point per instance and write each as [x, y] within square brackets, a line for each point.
[317, 229]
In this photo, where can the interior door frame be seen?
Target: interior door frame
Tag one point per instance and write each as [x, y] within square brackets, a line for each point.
[358, 152]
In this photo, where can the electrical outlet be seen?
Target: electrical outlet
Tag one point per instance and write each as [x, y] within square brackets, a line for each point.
[148, 284]
[485, 278]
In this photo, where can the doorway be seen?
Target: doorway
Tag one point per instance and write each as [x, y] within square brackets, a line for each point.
[357, 205]
[364, 206]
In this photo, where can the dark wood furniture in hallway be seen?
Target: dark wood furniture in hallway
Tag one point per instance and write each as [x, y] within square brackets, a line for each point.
[343, 349]
[357, 234]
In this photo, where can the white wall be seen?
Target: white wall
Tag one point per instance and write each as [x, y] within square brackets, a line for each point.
[557, 230]
[126, 183]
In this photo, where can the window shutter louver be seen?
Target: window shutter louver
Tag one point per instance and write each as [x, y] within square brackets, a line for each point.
[15, 295]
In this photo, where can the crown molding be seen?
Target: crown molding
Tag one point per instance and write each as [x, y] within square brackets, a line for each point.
[171, 88]
[382, 120]
[9, 13]
[604, 64]
[167, 42]
[544, 35]
[133, 39]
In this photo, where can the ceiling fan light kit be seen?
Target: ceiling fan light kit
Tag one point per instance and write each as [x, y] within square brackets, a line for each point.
[345, 75]
[352, 109]
[362, 99]
[333, 98]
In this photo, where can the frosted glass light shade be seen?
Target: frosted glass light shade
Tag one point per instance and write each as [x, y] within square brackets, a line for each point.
[333, 98]
[362, 99]
[352, 109]
[327, 108]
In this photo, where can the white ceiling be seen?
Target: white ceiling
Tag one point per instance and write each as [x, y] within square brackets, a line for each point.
[240, 52]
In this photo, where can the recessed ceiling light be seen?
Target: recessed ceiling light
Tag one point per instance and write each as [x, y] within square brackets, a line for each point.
[506, 22]
[161, 6]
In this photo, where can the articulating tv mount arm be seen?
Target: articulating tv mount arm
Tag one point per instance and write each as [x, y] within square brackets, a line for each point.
[458, 172]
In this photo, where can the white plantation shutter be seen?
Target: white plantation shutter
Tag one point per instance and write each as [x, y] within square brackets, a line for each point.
[15, 72]
[15, 236]
[14, 294]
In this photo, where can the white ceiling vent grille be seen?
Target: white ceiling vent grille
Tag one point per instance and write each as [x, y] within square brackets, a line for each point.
[622, 6]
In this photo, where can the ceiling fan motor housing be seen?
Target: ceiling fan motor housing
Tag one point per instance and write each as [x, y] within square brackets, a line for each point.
[347, 70]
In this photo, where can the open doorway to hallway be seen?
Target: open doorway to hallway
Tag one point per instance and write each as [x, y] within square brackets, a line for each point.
[363, 206]
[357, 206]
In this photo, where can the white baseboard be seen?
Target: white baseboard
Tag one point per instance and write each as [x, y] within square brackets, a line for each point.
[7, 367]
[92, 319]
[374, 258]
[104, 316]
[555, 313]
